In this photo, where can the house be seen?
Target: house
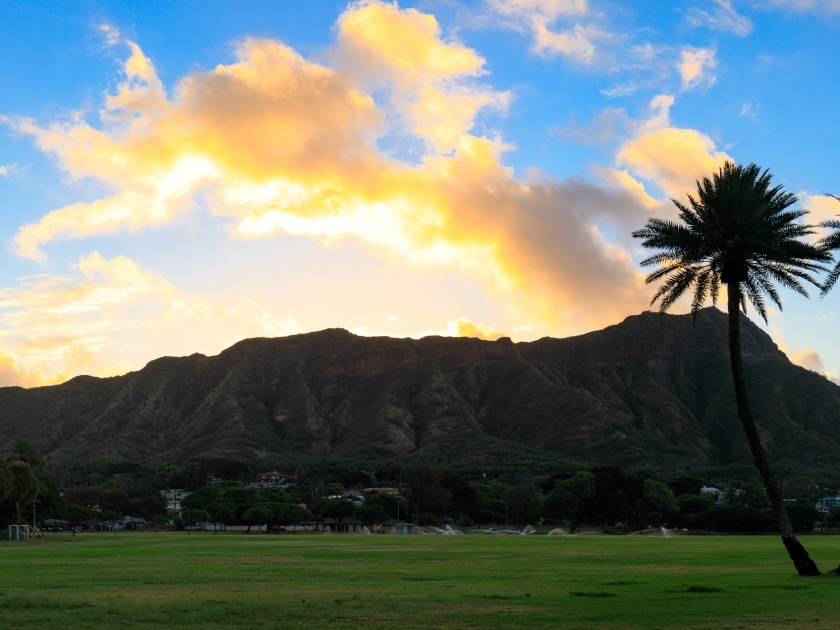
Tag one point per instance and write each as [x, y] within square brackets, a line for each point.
[134, 523]
[382, 490]
[348, 525]
[174, 498]
[712, 490]
[394, 526]
[356, 496]
[826, 504]
[273, 478]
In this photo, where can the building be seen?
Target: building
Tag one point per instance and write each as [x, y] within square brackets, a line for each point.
[394, 526]
[174, 498]
[134, 523]
[348, 525]
[271, 479]
[382, 490]
[712, 490]
[826, 504]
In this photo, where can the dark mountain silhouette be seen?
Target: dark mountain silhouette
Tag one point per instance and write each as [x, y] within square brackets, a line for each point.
[651, 390]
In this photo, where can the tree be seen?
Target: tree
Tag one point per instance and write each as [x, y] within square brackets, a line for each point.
[571, 499]
[738, 232]
[659, 502]
[23, 450]
[257, 515]
[339, 509]
[201, 498]
[292, 514]
[161, 520]
[193, 516]
[692, 504]
[523, 502]
[7, 481]
[50, 502]
[465, 499]
[222, 510]
[371, 513]
[798, 487]
[831, 243]
[422, 484]
[25, 486]
[81, 514]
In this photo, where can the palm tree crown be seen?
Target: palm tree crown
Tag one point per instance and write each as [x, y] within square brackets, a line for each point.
[829, 243]
[738, 230]
[23, 450]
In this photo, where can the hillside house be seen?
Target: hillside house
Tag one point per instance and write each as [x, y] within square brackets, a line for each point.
[826, 504]
[271, 479]
[174, 498]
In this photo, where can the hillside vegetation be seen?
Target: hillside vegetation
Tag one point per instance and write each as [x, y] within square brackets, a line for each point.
[652, 390]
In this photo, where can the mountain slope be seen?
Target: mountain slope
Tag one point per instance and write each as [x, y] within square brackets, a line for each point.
[652, 389]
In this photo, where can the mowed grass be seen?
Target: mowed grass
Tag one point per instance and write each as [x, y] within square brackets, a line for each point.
[138, 580]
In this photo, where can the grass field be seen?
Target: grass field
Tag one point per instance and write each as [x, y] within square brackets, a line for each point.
[137, 580]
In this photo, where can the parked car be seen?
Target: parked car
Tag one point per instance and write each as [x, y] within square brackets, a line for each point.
[415, 530]
[493, 530]
[514, 530]
[535, 532]
[461, 530]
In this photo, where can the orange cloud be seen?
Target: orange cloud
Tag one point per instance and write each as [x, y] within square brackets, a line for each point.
[464, 327]
[282, 144]
[114, 312]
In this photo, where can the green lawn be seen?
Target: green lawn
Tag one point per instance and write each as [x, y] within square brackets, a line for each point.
[173, 580]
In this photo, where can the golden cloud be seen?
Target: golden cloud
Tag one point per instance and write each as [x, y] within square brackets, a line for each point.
[114, 309]
[282, 144]
[465, 327]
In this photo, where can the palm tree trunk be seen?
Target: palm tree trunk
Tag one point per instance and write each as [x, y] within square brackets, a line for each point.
[801, 560]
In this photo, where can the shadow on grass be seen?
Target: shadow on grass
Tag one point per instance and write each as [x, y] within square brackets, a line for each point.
[591, 594]
[699, 588]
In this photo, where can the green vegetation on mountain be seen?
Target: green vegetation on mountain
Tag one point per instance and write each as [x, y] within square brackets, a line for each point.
[654, 391]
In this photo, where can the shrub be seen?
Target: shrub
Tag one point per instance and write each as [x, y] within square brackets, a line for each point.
[464, 521]
[427, 520]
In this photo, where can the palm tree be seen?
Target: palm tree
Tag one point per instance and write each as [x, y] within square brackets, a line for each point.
[831, 243]
[23, 450]
[738, 232]
[25, 486]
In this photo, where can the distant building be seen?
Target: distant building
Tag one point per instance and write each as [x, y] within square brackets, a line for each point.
[134, 523]
[349, 525]
[394, 526]
[826, 504]
[174, 498]
[271, 479]
[382, 490]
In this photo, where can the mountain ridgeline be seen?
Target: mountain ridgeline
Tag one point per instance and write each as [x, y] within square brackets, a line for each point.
[652, 390]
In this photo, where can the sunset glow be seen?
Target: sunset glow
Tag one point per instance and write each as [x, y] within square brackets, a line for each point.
[376, 173]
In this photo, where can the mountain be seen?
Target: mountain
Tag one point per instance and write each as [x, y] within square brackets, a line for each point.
[654, 389]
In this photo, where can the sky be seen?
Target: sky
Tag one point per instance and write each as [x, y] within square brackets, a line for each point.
[178, 176]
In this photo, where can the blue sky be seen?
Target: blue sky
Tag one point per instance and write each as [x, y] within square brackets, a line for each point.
[178, 176]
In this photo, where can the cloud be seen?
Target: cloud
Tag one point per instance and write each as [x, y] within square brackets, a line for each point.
[670, 157]
[805, 5]
[110, 310]
[578, 42]
[723, 17]
[277, 143]
[464, 327]
[696, 66]
[10, 170]
[380, 45]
